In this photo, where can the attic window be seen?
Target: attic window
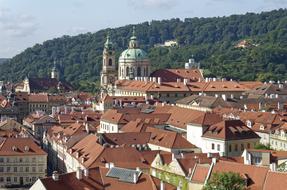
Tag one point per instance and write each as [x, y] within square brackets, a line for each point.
[224, 86]
[26, 148]
[14, 148]
[262, 127]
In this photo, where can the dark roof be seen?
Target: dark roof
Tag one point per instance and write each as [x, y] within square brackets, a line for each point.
[230, 130]
[44, 84]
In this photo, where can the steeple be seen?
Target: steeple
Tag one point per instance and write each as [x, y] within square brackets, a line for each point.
[55, 73]
[133, 40]
[108, 73]
[108, 44]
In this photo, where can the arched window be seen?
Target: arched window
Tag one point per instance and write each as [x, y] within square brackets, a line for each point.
[127, 71]
[139, 72]
[110, 62]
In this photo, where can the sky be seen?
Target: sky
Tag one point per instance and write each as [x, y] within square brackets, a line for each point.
[23, 23]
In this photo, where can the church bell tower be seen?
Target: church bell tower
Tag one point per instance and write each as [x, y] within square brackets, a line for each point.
[109, 73]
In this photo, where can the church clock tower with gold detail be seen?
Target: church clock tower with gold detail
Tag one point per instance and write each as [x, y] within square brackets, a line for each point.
[109, 73]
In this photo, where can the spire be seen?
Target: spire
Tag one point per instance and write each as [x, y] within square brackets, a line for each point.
[134, 31]
[133, 40]
[108, 43]
[55, 65]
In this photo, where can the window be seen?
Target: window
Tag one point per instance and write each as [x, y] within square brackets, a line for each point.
[1, 179]
[242, 147]
[230, 148]
[212, 146]
[127, 71]
[248, 145]
[33, 169]
[15, 179]
[138, 71]
[27, 179]
[15, 169]
[167, 95]
[34, 179]
[110, 62]
[20, 160]
[8, 169]
[40, 169]
[236, 147]
[218, 147]
[27, 169]
[21, 169]
[8, 179]
[33, 159]
[7, 160]
[1, 169]
[1, 159]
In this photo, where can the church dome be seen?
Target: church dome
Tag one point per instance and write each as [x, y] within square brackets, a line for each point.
[133, 54]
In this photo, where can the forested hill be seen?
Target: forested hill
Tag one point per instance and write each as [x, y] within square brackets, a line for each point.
[210, 40]
[2, 60]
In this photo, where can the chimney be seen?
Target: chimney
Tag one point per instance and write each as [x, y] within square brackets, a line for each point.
[214, 160]
[87, 128]
[112, 165]
[55, 176]
[107, 165]
[178, 80]
[159, 80]
[185, 81]
[172, 156]
[138, 169]
[79, 174]
[224, 97]
[154, 79]
[273, 167]
[162, 185]
[86, 172]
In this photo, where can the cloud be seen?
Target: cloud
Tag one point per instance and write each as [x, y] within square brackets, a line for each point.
[153, 4]
[17, 25]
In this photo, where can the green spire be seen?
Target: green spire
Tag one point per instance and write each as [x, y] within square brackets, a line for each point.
[133, 40]
[108, 43]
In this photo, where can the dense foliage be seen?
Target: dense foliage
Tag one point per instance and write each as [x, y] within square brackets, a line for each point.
[210, 40]
[225, 181]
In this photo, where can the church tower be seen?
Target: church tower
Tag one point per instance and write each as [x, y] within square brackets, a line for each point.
[55, 74]
[109, 73]
[133, 62]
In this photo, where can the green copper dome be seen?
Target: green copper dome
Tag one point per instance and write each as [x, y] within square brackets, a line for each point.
[133, 52]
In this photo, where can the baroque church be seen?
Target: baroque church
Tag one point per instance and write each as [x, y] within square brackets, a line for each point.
[133, 63]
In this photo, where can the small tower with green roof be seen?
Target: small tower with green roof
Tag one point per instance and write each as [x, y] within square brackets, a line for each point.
[109, 73]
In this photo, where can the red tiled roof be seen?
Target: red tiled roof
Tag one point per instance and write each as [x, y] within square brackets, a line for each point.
[20, 146]
[255, 174]
[171, 75]
[230, 130]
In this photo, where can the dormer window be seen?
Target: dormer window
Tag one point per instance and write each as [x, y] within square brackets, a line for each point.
[14, 148]
[262, 127]
[26, 148]
[249, 123]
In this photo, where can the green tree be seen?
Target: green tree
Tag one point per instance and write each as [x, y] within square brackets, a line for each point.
[225, 181]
